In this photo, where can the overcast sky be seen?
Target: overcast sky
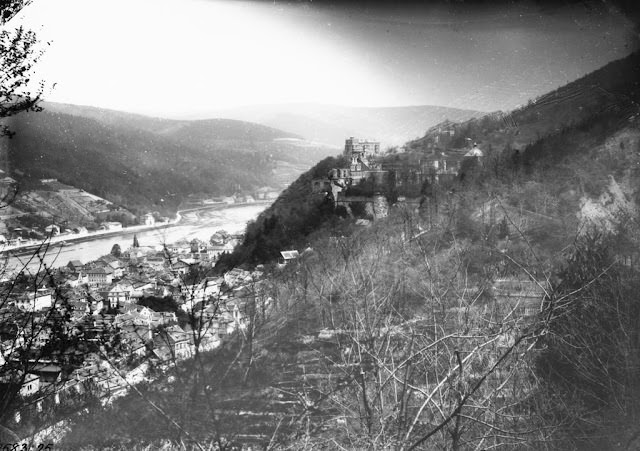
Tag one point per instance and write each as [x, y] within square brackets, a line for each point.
[189, 57]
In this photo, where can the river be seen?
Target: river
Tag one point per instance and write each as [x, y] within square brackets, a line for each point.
[201, 224]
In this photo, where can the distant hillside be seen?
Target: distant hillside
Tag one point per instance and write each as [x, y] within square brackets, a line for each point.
[205, 133]
[199, 131]
[330, 124]
[209, 134]
[610, 92]
[140, 161]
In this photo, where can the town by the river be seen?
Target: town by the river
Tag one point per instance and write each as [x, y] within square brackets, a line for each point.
[200, 224]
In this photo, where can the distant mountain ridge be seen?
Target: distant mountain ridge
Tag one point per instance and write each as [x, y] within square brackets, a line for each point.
[331, 124]
[144, 162]
[201, 130]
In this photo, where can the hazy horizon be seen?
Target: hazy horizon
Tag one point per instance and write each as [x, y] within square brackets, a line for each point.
[153, 58]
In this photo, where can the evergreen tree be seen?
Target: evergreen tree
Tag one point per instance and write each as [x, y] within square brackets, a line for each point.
[116, 251]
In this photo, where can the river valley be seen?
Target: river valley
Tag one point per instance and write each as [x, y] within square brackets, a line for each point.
[194, 224]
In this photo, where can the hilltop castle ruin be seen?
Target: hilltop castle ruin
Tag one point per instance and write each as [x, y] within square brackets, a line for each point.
[366, 178]
[362, 155]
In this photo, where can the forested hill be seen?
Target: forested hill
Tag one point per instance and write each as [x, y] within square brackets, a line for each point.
[574, 121]
[205, 132]
[296, 214]
[611, 92]
[146, 162]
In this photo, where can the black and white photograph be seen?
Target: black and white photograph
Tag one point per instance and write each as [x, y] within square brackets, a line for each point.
[319, 225]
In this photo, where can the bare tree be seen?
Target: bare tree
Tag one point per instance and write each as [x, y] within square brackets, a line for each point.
[424, 355]
[18, 54]
[36, 333]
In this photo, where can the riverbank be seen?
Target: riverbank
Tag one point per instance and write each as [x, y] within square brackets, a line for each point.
[200, 224]
[62, 240]
[225, 206]
[65, 239]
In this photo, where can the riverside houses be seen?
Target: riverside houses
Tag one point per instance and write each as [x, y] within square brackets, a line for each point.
[100, 276]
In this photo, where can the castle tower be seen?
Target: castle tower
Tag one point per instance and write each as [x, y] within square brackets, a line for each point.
[361, 148]
[360, 152]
